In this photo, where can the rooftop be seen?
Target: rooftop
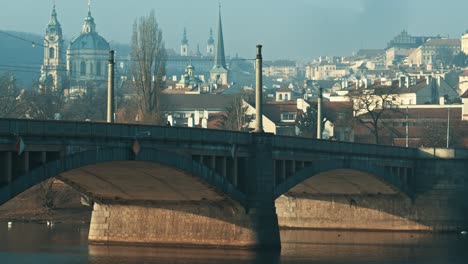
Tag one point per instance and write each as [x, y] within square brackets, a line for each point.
[443, 42]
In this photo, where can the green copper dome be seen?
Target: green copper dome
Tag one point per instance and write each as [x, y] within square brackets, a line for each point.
[89, 41]
[89, 38]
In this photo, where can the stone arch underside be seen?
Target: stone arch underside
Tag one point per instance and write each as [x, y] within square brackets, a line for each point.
[346, 195]
[115, 175]
[343, 176]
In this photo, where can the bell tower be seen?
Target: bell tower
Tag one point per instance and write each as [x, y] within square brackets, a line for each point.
[184, 45]
[210, 47]
[53, 68]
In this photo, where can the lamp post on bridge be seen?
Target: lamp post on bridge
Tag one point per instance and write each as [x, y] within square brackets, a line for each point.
[110, 89]
[259, 91]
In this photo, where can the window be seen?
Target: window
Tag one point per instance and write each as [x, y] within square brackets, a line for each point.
[83, 68]
[286, 97]
[98, 68]
[280, 97]
[288, 116]
[52, 53]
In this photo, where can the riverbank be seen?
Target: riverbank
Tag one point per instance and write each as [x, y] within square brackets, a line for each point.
[29, 206]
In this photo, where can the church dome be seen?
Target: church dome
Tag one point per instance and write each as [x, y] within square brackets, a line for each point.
[90, 40]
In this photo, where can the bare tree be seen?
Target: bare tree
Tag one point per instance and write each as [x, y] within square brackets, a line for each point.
[306, 121]
[47, 193]
[369, 107]
[8, 94]
[128, 110]
[35, 105]
[236, 118]
[88, 106]
[148, 67]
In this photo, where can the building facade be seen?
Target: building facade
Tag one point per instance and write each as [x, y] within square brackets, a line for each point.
[464, 43]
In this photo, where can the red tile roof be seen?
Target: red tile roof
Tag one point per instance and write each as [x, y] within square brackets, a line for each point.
[274, 110]
[465, 95]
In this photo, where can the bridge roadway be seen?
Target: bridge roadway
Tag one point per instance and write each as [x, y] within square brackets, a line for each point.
[199, 187]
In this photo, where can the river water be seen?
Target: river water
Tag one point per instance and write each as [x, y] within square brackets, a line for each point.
[40, 244]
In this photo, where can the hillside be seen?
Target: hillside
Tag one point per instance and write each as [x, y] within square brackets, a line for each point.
[20, 57]
[25, 59]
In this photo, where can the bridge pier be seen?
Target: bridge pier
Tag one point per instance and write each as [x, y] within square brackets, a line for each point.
[6, 168]
[207, 224]
[218, 223]
[261, 183]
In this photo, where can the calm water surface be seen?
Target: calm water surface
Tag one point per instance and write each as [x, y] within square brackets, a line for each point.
[37, 243]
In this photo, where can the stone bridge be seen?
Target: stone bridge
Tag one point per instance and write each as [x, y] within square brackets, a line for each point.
[199, 187]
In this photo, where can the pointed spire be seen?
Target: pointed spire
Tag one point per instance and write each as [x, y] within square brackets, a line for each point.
[53, 17]
[184, 38]
[198, 50]
[211, 39]
[220, 60]
[89, 26]
[53, 27]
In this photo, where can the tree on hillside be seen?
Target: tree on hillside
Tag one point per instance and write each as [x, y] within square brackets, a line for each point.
[35, 105]
[369, 107]
[236, 118]
[306, 121]
[148, 67]
[8, 94]
[91, 105]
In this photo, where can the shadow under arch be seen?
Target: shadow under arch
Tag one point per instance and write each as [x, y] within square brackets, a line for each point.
[323, 166]
[91, 157]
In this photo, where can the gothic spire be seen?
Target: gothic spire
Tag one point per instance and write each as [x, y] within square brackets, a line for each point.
[220, 60]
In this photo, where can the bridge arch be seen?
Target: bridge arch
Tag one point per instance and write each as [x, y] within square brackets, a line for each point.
[118, 154]
[363, 166]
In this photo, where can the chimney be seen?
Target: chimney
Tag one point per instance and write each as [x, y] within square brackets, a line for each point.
[190, 122]
[196, 116]
[428, 79]
[441, 100]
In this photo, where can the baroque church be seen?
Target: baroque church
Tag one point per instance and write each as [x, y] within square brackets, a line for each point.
[83, 64]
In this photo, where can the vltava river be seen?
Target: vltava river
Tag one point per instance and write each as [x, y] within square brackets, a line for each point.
[39, 244]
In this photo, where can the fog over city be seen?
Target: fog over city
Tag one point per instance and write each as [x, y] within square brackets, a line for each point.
[296, 29]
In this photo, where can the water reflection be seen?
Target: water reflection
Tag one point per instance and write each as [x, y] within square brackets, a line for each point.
[34, 243]
[103, 254]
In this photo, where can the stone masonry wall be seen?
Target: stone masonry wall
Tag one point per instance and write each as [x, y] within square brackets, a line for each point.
[191, 225]
[432, 211]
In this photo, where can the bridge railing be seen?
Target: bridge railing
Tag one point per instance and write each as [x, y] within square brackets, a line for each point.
[70, 129]
[307, 144]
[443, 153]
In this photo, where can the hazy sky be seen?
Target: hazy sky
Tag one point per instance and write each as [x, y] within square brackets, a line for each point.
[296, 29]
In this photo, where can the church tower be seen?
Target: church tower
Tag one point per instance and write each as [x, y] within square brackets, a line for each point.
[219, 72]
[210, 47]
[184, 45]
[53, 68]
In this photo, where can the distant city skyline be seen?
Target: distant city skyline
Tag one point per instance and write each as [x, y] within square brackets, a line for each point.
[296, 29]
